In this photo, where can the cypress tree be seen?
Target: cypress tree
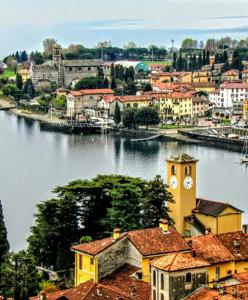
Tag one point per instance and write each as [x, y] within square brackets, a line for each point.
[106, 82]
[174, 64]
[113, 84]
[199, 62]
[112, 71]
[4, 244]
[208, 58]
[225, 57]
[19, 81]
[117, 114]
[204, 60]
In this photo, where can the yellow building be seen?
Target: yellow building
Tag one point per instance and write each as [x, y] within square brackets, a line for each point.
[176, 105]
[202, 77]
[25, 74]
[207, 87]
[194, 216]
[245, 111]
[160, 77]
[96, 260]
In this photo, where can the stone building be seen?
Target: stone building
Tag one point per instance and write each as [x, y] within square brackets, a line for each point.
[62, 72]
[177, 275]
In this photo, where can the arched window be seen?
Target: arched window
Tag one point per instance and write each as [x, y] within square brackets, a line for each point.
[188, 170]
[154, 278]
[162, 281]
[161, 296]
[173, 170]
[154, 295]
[188, 277]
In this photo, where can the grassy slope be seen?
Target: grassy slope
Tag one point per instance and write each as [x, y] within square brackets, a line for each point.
[7, 73]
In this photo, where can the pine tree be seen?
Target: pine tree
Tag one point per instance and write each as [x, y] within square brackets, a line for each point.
[204, 60]
[208, 58]
[23, 56]
[112, 71]
[17, 56]
[199, 62]
[225, 57]
[194, 63]
[4, 244]
[19, 81]
[106, 82]
[113, 84]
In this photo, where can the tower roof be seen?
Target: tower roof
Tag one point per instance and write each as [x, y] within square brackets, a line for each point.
[182, 158]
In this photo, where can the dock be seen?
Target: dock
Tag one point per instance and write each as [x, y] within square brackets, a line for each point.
[154, 137]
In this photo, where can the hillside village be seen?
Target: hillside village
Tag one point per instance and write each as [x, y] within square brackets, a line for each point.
[200, 249]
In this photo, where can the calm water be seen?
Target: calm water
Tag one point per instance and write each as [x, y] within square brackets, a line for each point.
[33, 162]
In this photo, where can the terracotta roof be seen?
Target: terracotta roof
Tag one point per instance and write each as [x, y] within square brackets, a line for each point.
[206, 293]
[234, 85]
[203, 84]
[179, 261]
[165, 86]
[212, 208]
[200, 100]
[123, 280]
[153, 241]
[92, 92]
[94, 248]
[239, 291]
[231, 73]
[133, 98]
[236, 243]
[245, 71]
[210, 248]
[241, 277]
[52, 296]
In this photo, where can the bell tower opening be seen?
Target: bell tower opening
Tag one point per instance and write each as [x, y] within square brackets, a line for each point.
[181, 178]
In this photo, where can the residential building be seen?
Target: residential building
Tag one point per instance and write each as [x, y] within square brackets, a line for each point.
[245, 76]
[98, 259]
[157, 77]
[207, 87]
[62, 72]
[194, 216]
[176, 275]
[176, 105]
[233, 93]
[78, 101]
[200, 106]
[206, 293]
[202, 76]
[231, 75]
[214, 98]
[245, 111]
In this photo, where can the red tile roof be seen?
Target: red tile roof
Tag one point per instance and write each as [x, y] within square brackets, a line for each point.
[236, 243]
[239, 291]
[122, 279]
[165, 86]
[124, 99]
[208, 294]
[179, 261]
[234, 85]
[94, 248]
[92, 92]
[241, 277]
[210, 248]
[231, 73]
[153, 241]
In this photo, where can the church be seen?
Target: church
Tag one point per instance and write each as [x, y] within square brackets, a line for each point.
[63, 72]
[194, 216]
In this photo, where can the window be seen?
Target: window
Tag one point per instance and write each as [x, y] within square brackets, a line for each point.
[79, 69]
[89, 68]
[154, 295]
[70, 69]
[92, 261]
[188, 169]
[188, 278]
[154, 278]
[162, 281]
[217, 273]
[173, 170]
[161, 296]
[80, 262]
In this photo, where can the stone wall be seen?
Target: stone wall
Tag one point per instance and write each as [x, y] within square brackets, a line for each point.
[72, 73]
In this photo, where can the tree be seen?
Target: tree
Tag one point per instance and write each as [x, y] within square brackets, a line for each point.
[112, 71]
[19, 81]
[174, 64]
[130, 88]
[9, 89]
[128, 118]
[28, 88]
[106, 82]
[117, 114]
[237, 62]
[48, 45]
[18, 276]
[88, 83]
[4, 245]
[156, 198]
[37, 57]
[113, 84]
[12, 63]
[130, 45]
[189, 43]
[199, 62]
[147, 116]
[23, 56]
[148, 87]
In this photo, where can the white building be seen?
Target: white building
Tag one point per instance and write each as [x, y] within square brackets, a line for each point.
[229, 94]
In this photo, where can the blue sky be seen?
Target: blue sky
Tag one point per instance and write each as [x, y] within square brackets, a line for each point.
[24, 24]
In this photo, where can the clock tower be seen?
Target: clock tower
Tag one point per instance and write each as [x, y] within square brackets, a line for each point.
[181, 178]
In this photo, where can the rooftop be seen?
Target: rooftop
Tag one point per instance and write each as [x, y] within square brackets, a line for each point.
[210, 248]
[234, 85]
[92, 92]
[182, 158]
[206, 293]
[179, 261]
[212, 208]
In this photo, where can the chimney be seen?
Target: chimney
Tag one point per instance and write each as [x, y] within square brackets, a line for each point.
[164, 224]
[190, 242]
[117, 233]
[207, 231]
[42, 295]
[236, 243]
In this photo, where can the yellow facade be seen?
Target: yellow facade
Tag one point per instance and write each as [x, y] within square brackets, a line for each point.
[160, 77]
[138, 103]
[86, 268]
[220, 270]
[202, 77]
[25, 74]
[207, 89]
[176, 108]
[186, 78]
[185, 199]
[228, 221]
[245, 111]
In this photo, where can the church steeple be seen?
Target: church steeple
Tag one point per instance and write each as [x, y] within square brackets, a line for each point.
[57, 54]
[181, 176]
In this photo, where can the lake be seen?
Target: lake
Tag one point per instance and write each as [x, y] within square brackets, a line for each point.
[33, 162]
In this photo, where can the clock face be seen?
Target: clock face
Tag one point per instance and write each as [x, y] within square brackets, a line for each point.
[188, 183]
[173, 182]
